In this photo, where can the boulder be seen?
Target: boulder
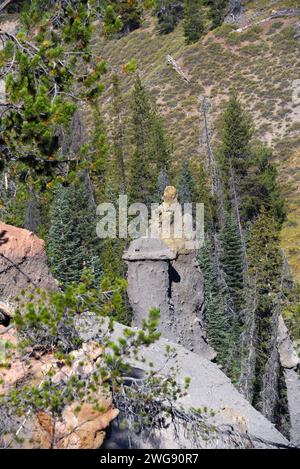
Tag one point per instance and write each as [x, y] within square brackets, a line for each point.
[80, 427]
[23, 262]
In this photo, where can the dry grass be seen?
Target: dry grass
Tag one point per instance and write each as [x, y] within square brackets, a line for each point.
[261, 63]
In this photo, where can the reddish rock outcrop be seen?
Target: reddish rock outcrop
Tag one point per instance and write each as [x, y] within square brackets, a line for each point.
[81, 426]
[83, 429]
[23, 262]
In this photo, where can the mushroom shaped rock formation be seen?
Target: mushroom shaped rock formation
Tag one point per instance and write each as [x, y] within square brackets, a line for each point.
[163, 273]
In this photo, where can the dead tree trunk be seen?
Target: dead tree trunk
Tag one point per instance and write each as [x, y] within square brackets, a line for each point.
[4, 4]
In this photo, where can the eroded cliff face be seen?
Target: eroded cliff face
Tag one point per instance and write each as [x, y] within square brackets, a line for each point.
[159, 278]
[290, 362]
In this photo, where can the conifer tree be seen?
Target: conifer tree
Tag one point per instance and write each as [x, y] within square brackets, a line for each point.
[40, 74]
[142, 179]
[169, 14]
[111, 22]
[264, 252]
[217, 11]
[265, 266]
[260, 188]
[162, 182]
[84, 214]
[72, 241]
[193, 25]
[64, 243]
[186, 184]
[216, 322]
[232, 262]
[130, 12]
[118, 137]
[141, 118]
[159, 147]
[97, 154]
[236, 136]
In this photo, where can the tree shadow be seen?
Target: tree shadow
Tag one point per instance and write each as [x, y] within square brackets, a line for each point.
[3, 240]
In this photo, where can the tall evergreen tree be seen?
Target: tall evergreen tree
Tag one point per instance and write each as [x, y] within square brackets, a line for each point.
[84, 213]
[232, 262]
[65, 251]
[72, 241]
[265, 265]
[99, 154]
[118, 136]
[141, 118]
[264, 252]
[216, 322]
[218, 9]
[193, 25]
[169, 13]
[236, 136]
[151, 151]
[159, 147]
[186, 184]
[162, 182]
[260, 188]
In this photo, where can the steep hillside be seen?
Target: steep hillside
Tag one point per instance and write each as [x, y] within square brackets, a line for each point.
[135, 320]
[260, 59]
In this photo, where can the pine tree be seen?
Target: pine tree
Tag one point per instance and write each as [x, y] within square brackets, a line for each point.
[41, 105]
[72, 241]
[193, 25]
[141, 183]
[236, 136]
[84, 214]
[264, 253]
[118, 137]
[186, 184]
[159, 147]
[169, 13]
[218, 10]
[216, 322]
[162, 182]
[98, 156]
[141, 118]
[260, 188]
[111, 22]
[64, 243]
[130, 12]
[265, 265]
[232, 262]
